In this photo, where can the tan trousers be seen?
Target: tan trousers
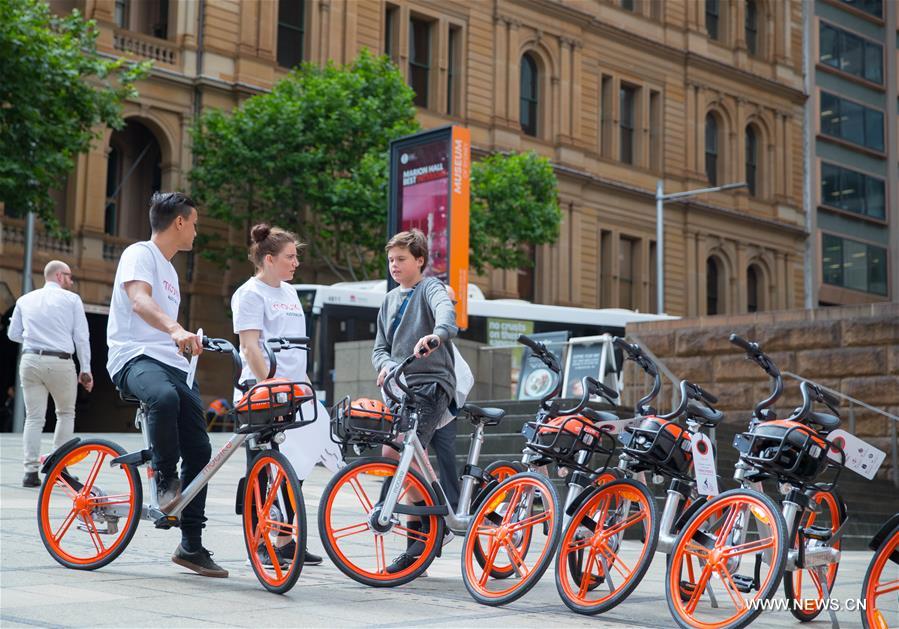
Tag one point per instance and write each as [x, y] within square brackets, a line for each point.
[41, 375]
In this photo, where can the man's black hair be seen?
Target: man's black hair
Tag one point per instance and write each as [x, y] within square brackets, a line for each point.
[166, 206]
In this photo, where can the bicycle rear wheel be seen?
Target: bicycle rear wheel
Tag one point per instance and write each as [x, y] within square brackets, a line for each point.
[607, 547]
[881, 586]
[357, 544]
[524, 506]
[501, 470]
[88, 510]
[274, 521]
[802, 587]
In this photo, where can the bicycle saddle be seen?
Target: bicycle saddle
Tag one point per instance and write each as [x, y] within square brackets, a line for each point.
[707, 415]
[489, 416]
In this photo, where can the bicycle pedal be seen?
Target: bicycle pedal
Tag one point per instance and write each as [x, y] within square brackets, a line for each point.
[820, 533]
[743, 583]
[167, 522]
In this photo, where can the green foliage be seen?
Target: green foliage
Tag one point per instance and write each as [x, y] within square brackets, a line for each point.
[310, 156]
[513, 205]
[55, 92]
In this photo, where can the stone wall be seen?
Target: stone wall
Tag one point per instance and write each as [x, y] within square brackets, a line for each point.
[853, 350]
[354, 375]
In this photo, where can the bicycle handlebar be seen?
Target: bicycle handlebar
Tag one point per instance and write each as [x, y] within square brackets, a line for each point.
[591, 387]
[635, 353]
[225, 346]
[690, 391]
[754, 353]
[398, 371]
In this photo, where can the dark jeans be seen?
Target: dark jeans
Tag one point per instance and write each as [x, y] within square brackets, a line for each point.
[176, 426]
[432, 401]
[443, 444]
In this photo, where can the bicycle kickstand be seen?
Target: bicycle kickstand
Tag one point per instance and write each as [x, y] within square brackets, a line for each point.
[821, 573]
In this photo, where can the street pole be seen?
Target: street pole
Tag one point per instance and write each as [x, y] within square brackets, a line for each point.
[18, 413]
[660, 247]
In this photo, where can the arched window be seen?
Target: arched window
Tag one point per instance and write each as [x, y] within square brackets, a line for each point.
[529, 95]
[752, 27]
[133, 174]
[712, 16]
[711, 148]
[753, 281]
[752, 154]
[712, 279]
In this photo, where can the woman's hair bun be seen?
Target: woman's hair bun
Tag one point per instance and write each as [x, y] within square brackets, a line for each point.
[260, 232]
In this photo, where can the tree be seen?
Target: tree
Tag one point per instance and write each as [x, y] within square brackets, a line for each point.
[55, 93]
[513, 205]
[310, 156]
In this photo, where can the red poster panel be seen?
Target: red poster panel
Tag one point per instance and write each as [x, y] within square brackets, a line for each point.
[429, 190]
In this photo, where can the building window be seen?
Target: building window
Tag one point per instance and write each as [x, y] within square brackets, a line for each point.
[874, 7]
[752, 27]
[751, 159]
[655, 130]
[852, 191]
[653, 278]
[391, 15]
[852, 122]
[711, 149]
[627, 248]
[851, 54]
[291, 23]
[454, 54]
[752, 289]
[712, 13]
[606, 120]
[626, 117]
[628, 5]
[712, 284]
[419, 59]
[852, 264]
[529, 95]
[121, 13]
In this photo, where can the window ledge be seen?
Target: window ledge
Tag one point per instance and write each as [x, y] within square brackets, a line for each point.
[879, 87]
[857, 12]
[851, 145]
[849, 214]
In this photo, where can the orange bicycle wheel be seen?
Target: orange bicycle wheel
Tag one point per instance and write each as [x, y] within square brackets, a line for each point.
[802, 587]
[357, 544]
[88, 510]
[274, 519]
[607, 547]
[881, 586]
[524, 506]
[576, 559]
[739, 541]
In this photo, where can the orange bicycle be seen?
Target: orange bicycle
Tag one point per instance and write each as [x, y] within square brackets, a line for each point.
[92, 499]
[880, 590]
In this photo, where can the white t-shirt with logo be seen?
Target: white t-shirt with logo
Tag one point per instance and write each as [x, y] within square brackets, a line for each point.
[275, 312]
[127, 334]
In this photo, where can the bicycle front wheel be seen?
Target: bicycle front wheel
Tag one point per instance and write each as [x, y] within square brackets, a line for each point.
[274, 521]
[354, 540]
[500, 470]
[518, 523]
[739, 541]
[88, 510]
[881, 586]
[607, 547]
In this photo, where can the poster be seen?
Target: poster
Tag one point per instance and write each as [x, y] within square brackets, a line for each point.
[424, 203]
[536, 379]
[583, 360]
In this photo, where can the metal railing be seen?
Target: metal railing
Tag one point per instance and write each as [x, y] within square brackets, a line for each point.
[853, 403]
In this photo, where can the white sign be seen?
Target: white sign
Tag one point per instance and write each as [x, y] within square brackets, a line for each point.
[704, 464]
[192, 369]
[861, 457]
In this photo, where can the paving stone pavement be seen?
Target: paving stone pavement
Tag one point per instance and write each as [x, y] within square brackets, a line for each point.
[142, 588]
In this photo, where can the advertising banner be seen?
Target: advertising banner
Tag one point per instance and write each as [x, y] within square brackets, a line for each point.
[536, 380]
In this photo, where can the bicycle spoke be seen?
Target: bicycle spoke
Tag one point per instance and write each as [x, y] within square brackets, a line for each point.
[727, 527]
[361, 527]
[517, 561]
[817, 581]
[273, 492]
[102, 501]
[512, 508]
[92, 476]
[615, 561]
[621, 526]
[886, 588]
[273, 557]
[488, 564]
[586, 576]
[581, 545]
[697, 550]
[380, 557]
[257, 496]
[282, 528]
[360, 494]
[487, 530]
[64, 484]
[419, 536]
[529, 522]
[94, 534]
[732, 590]
[64, 527]
[700, 588]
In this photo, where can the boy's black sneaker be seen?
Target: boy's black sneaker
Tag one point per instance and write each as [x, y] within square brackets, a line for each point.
[200, 562]
[401, 563]
[31, 479]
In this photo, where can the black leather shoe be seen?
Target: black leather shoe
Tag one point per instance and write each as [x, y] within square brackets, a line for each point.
[31, 480]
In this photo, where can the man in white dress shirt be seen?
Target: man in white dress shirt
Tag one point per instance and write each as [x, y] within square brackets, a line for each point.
[51, 326]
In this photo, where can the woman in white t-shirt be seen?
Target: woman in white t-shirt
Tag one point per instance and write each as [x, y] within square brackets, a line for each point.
[266, 306]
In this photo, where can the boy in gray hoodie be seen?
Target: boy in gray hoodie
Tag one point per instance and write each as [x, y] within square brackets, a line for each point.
[414, 314]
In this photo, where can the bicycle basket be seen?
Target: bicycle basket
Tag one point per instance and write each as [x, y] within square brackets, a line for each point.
[787, 449]
[362, 421]
[273, 401]
[659, 445]
[562, 438]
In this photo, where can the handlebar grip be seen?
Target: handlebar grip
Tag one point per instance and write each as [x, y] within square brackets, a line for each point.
[708, 397]
[829, 398]
[432, 344]
[531, 343]
[743, 344]
[603, 390]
